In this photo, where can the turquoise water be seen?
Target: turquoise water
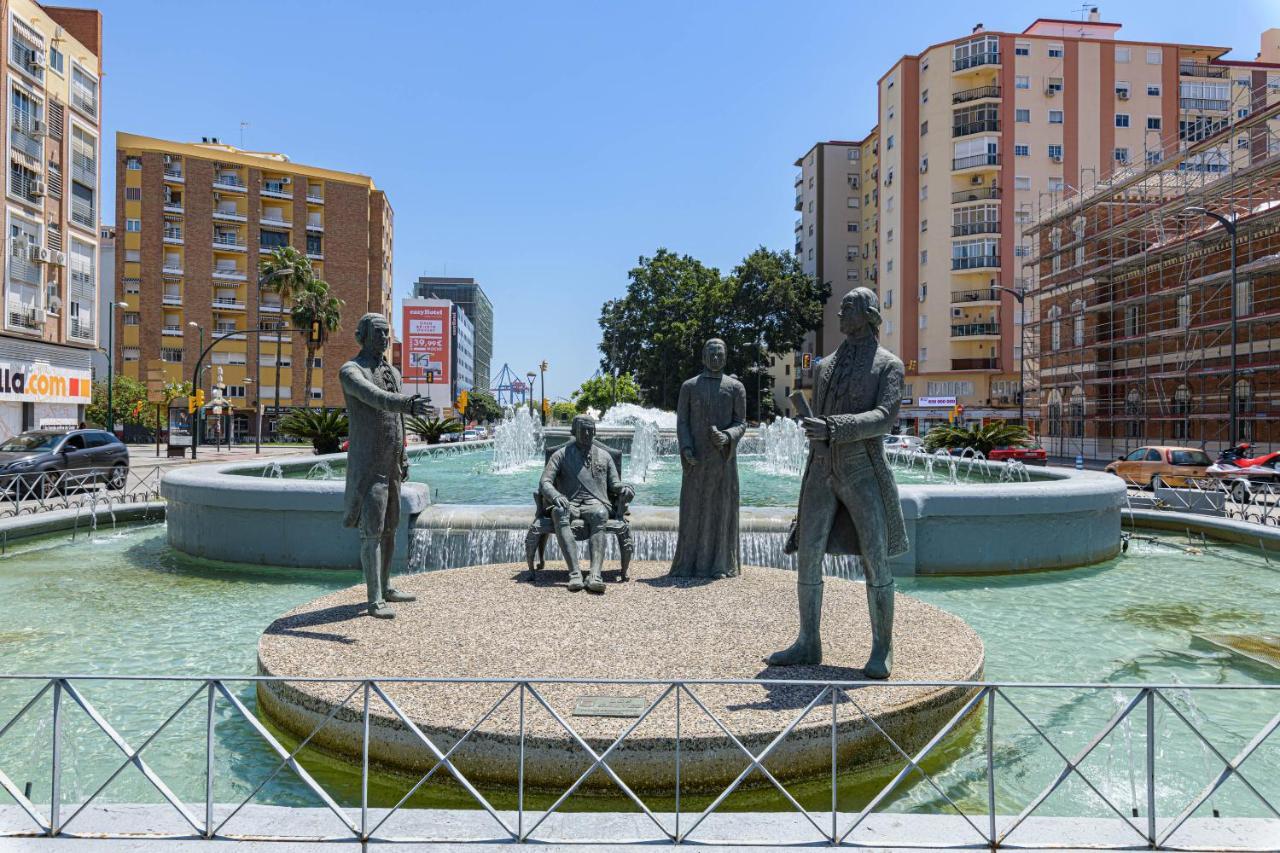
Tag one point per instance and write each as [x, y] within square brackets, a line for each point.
[126, 604]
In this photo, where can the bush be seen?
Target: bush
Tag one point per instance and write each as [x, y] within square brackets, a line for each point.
[432, 430]
[324, 428]
[980, 438]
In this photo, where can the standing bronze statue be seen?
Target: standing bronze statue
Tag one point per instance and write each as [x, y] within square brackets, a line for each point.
[377, 463]
[581, 485]
[848, 499]
[711, 417]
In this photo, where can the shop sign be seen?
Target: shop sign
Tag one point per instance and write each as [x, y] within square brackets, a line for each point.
[36, 382]
[938, 402]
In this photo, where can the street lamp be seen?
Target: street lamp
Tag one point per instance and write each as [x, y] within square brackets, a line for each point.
[257, 408]
[531, 376]
[1230, 226]
[543, 367]
[195, 383]
[1022, 362]
[111, 354]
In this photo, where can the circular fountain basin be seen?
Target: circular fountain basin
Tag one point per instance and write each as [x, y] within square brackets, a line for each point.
[487, 622]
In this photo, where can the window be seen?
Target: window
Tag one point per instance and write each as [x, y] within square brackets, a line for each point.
[888, 266]
[851, 275]
[1122, 155]
[273, 239]
[1022, 116]
[1122, 90]
[317, 393]
[1122, 54]
[1153, 122]
[924, 257]
[889, 82]
[1021, 150]
[1053, 85]
[963, 388]
[132, 354]
[1184, 310]
[924, 188]
[924, 292]
[853, 155]
[1154, 56]
[1022, 81]
[315, 244]
[853, 201]
[888, 299]
[132, 286]
[1153, 89]
[924, 321]
[1244, 298]
[852, 227]
[131, 318]
[924, 225]
[84, 92]
[57, 61]
[890, 112]
[889, 142]
[133, 164]
[134, 225]
[1055, 185]
[1055, 152]
[1022, 48]
[1055, 51]
[1055, 116]
[924, 128]
[924, 96]
[1132, 320]
[889, 236]
[1122, 119]
[133, 193]
[1021, 182]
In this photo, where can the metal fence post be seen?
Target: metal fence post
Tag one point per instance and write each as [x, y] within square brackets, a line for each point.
[835, 829]
[55, 797]
[1151, 766]
[364, 770]
[991, 766]
[520, 775]
[208, 758]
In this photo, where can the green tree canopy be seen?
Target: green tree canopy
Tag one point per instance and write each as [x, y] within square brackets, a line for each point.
[602, 392]
[563, 411]
[128, 399]
[481, 406]
[674, 303]
[315, 309]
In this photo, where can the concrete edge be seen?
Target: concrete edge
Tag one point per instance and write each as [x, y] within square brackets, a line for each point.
[1215, 527]
[58, 520]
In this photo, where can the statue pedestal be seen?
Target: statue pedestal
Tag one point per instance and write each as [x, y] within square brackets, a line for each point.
[488, 622]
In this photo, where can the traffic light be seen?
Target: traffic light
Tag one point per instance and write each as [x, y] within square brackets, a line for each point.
[462, 401]
[199, 398]
[191, 405]
[546, 408]
[807, 360]
[431, 377]
[317, 332]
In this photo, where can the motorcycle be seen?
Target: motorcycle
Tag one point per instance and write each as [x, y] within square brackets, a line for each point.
[1237, 457]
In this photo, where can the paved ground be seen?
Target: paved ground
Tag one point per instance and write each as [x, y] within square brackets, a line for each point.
[144, 455]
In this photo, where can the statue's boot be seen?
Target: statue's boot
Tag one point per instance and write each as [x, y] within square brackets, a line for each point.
[880, 608]
[570, 550]
[382, 610]
[807, 649]
[388, 552]
[595, 583]
[371, 562]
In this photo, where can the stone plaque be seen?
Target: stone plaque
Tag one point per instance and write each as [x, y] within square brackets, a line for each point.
[610, 706]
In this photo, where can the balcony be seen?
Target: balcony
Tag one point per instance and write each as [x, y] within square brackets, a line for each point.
[84, 169]
[172, 268]
[314, 224]
[172, 174]
[224, 303]
[175, 331]
[1200, 69]
[315, 255]
[276, 189]
[976, 60]
[26, 185]
[799, 202]
[82, 214]
[975, 194]
[270, 307]
[172, 298]
[173, 207]
[24, 138]
[974, 161]
[233, 183]
[229, 215]
[968, 128]
[967, 229]
[977, 93]
[25, 316]
[230, 273]
[975, 330]
[978, 262]
[275, 222]
[314, 199]
[84, 99]
[975, 364]
[970, 297]
[228, 242]
[1204, 104]
[173, 235]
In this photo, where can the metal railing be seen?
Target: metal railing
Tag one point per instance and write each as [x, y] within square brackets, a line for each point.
[228, 181]
[982, 126]
[84, 99]
[975, 364]
[975, 262]
[82, 213]
[172, 174]
[976, 59]
[1199, 69]
[45, 491]
[1237, 498]
[975, 160]
[1215, 104]
[975, 94]
[966, 330]
[966, 229]
[277, 188]
[985, 294]
[975, 194]
[219, 703]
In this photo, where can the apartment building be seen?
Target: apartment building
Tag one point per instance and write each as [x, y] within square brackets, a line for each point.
[469, 296]
[193, 220]
[52, 60]
[978, 134]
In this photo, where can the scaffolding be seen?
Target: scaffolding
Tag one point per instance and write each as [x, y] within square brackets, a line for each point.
[1134, 340]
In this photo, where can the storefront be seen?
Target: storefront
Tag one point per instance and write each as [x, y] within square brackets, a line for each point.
[42, 386]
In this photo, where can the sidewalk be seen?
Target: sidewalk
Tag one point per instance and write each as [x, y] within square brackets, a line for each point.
[144, 455]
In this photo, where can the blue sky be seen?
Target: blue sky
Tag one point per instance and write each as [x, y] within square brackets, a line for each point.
[543, 147]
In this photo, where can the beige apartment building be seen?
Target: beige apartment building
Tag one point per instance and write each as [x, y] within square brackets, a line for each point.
[192, 222]
[52, 61]
[977, 135]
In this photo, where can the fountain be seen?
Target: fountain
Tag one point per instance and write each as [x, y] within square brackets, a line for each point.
[322, 470]
[644, 450]
[630, 414]
[517, 442]
[784, 447]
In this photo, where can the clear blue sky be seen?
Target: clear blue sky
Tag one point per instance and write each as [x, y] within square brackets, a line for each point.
[542, 147]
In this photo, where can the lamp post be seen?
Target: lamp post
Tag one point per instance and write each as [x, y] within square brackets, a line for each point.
[543, 408]
[257, 443]
[1022, 362]
[111, 369]
[195, 383]
[1230, 226]
[530, 376]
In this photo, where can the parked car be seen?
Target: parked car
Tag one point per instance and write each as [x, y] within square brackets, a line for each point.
[1148, 467]
[903, 442]
[473, 435]
[1025, 455]
[30, 462]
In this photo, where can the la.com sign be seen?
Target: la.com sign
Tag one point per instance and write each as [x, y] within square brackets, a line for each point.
[34, 382]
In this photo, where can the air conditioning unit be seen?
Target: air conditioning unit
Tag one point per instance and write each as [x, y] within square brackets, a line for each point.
[38, 128]
[1049, 91]
[1055, 159]
[957, 313]
[35, 60]
[44, 255]
[976, 180]
[1122, 94]
[36, 189]
[60, 258]
[55, 304]
[285, 181]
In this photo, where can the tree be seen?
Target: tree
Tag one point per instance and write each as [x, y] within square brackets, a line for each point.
[979, 437]
[324, 428]
[432, 429]
[314, 307]
[674, 303]
[128, 399]
[482, 407]
[601, 392]
[563, 411]
[285, 271]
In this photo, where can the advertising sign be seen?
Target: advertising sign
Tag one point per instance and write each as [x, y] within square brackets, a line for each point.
[37, 382]
[426, 347]
[937, 402]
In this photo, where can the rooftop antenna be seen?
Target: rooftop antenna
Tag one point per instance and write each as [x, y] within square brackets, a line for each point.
[243, 125]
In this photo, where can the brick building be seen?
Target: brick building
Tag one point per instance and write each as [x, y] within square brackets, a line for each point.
[192, 222]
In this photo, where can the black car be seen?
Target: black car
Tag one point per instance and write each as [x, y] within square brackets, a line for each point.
[87, 456]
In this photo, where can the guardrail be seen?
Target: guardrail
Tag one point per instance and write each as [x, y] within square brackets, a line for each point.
[1136, 706]
[45, 491]
[1236, 498]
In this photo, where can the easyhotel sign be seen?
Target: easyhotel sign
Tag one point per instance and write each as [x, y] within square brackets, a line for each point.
[35, 382]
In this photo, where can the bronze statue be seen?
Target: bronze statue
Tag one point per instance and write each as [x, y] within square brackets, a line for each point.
[376, 463]
[848, 499]
[710, 420]
[580, 483]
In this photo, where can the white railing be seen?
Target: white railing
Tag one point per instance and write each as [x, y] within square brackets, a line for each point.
[84, 99]
[1155, 815]
[82, 213]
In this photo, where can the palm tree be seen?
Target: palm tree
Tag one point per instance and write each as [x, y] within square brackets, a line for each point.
[981, 438]
[315, 307]
[285, 271]
[432, 429]
[324, 428]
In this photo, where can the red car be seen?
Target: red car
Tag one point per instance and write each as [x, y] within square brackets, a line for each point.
[1025, 455]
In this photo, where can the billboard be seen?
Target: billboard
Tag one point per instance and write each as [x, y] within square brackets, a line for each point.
[426, 347]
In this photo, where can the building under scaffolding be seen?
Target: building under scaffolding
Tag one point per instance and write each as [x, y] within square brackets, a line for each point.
[1132, 280]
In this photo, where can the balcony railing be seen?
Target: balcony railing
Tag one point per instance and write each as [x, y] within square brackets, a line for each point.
[975, 364]
[1213, 104]
[975, 160]
[277, 189]
[172, 174]
[229, 214]
[970, 127]
[225, 241]
[173, 234]
[1200, 69]
[975, 194]
[173, 207]
[171, 330]
[985, 294]
[969, 330]
[314, 225]
[272, 307]
[799, 202]
[228, 272]
[967, 228]
[82, 329]
[228, 302]
[24, 316]
[234, 182]
[25, 141]
[991, 57]
[172, 298]
[23, 183]
[975, 262]
[85, 100]
[84, 169]
[172, 268]
[975, 94]
[82, 213]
